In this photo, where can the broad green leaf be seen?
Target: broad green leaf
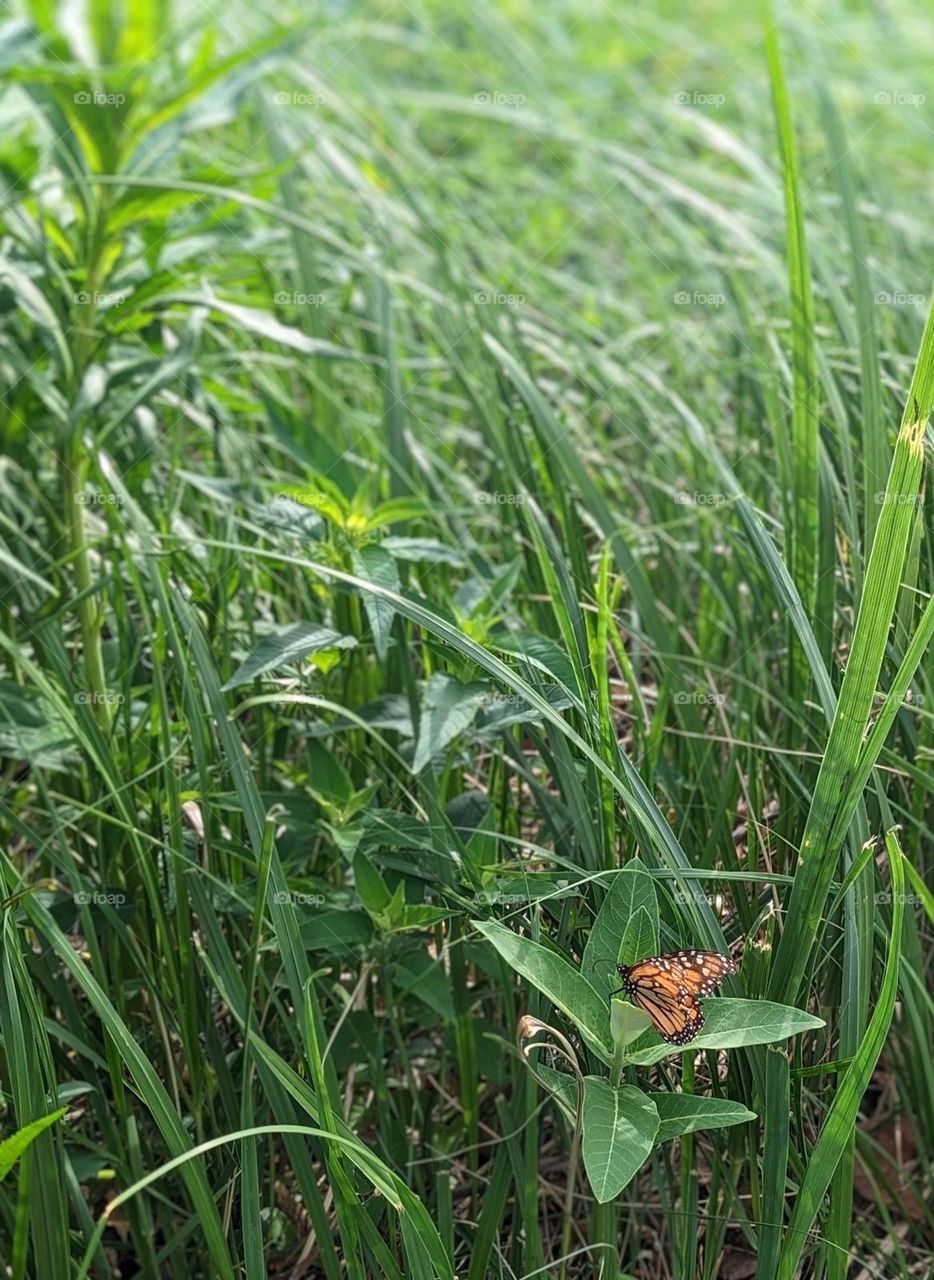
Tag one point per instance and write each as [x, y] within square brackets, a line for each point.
[423, 549]
[395, 511]
[563, 1085]
[542, 654]
[419, 915]
[328, 780]
[285, 644]
[448, 707]
[371, 887]
[564, 986]
[620, 1127]
[640, 937]
[377, 566]
[612, 941]
[733, 1024]
[680, 1113]
[340, 932]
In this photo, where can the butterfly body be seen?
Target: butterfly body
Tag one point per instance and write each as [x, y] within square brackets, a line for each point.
[669, 989]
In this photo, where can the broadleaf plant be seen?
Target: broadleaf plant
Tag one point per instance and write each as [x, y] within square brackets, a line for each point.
[621, 1122]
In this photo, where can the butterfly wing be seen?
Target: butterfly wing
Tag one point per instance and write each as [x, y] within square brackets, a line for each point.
[668, 988]
[701, 972]
[677, 1016]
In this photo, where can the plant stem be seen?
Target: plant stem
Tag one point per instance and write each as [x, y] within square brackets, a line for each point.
[74, 469]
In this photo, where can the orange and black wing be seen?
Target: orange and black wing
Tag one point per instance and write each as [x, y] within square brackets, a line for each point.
[677, 1016]
[701, 972]
[668, 989]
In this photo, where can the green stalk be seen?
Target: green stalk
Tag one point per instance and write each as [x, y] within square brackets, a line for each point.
[802, 532]
[825, 827]
[74, 467]
[73, 472]
[841, 1117]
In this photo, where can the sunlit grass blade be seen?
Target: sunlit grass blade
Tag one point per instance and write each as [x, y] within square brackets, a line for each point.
[841, 1117]
[818, 854]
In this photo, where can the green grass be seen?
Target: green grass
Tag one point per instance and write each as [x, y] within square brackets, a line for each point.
[463, 524]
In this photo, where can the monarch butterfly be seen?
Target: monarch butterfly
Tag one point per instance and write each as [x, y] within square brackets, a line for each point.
[668, 989]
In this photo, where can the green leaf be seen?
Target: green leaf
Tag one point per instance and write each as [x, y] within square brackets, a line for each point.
[377, 566]
[802, 527]
[627, 1023]
[33, 303]
[733, 1024]
[620, 1126]
[680, 1113]
[371, 887]
[328, 780]
[395, 511]
[267, 326]
[640, 937]
[564, 986]
[422, 549]
[448, 707]
[419, 915]
[837, 1129]
[828, 818]
[285, 644]
[542, 654]
[339, 932]
[13, 1147]
[626, 927]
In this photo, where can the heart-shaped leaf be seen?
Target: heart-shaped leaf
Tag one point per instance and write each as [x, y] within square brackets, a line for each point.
[620, 1127]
